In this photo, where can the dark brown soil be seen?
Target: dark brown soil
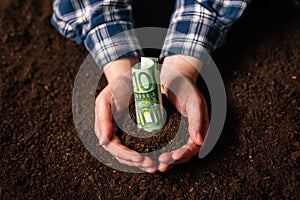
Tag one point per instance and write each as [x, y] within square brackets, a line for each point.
[153, 141]
[257, 157]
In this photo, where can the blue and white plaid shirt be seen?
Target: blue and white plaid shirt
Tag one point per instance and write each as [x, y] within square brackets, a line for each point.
[195, 25]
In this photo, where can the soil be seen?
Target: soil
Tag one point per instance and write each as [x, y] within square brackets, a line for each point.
[155, 140]
[257, 156]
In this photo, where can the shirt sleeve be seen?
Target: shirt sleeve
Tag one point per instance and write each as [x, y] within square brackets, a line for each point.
[199, 26]
[104, 26]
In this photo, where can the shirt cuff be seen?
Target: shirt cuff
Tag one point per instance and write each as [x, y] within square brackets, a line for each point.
[199, 27]
[111, 41]
[192, 44]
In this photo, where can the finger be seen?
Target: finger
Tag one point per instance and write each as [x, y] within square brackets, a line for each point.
[178, 156]
[187, 151]
[128, 163]
[151, 171]
[97, 130]
[117, 149]
[197, 117]
[183, 160]
[104, 117]
[147, 165]
[166, 158]
[164, 167]
[190, 148]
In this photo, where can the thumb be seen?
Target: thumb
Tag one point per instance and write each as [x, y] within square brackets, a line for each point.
[197, 115]
[103, 119]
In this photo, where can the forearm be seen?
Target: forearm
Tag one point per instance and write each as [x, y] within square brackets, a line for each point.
[199, 27]
[103, 26]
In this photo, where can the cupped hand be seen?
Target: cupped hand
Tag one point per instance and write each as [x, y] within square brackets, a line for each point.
[109, 104]
[178, 77]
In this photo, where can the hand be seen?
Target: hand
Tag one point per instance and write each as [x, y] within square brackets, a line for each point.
[112, 100]
[178, 78]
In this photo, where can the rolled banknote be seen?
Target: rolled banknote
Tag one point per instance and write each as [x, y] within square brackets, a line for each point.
[147, 94]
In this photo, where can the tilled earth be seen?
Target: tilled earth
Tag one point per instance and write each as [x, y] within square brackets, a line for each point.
[257, 156]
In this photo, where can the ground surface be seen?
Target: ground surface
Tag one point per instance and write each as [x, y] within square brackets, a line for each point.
[257, 156]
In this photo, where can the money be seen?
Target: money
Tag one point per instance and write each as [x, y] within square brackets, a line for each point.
[147, 94]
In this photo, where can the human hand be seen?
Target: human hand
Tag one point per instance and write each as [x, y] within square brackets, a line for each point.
[178, 78]
[111, 101]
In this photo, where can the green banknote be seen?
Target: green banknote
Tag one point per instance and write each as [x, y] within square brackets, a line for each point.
[147, 94]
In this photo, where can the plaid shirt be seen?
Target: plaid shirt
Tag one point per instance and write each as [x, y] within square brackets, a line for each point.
[195, 25]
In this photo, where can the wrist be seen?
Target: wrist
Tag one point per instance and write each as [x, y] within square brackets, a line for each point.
[119, 68]
[187, 66]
